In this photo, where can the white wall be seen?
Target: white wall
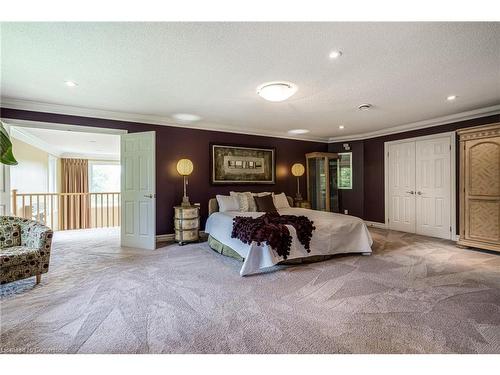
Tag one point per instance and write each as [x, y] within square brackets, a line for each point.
[31, 173]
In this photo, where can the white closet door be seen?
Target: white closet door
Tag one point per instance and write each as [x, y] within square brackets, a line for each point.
[433, 193]
[402, 186]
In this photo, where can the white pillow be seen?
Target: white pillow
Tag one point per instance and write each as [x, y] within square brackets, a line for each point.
[262, 194]
[245, 201]
[280, 201]
[227, 203]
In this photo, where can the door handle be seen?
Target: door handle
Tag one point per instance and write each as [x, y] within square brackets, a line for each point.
[411, 192]
[148, 196]
[419, 193]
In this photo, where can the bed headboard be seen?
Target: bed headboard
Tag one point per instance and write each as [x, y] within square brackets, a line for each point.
[213, 206]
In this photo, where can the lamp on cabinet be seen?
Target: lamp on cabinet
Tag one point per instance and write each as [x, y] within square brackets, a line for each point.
[185, 168]
[298, 170]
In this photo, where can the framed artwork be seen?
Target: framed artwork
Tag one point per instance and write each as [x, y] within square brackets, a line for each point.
[242, 165]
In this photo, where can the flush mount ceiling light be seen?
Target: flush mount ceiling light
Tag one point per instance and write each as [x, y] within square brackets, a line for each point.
[186, 117]
[298, 131]
[451, 98]
[70, 83]
[335, 54]
[341, 127]
[365, 107]
[277, 91]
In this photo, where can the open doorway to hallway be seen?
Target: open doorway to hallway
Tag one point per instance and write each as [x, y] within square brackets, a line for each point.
[67, 178]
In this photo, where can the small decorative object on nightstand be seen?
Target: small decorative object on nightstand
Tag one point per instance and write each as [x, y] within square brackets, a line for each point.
[298, 170]
[303, 204]
[187, 224]
[185, 168]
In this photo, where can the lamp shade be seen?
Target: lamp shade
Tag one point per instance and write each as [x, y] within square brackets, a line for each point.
[185, 167]
[298, 169]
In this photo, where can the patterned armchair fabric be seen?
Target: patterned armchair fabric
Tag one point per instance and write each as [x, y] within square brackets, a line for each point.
[10, 235]
[27, 256]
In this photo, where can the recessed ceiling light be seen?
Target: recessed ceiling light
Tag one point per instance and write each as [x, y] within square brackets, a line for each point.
[298, 131]
[450, 98]
[70, 83]
[341, 126]
[335, 54]
[186, 117]
[365, 107]
[277, 91]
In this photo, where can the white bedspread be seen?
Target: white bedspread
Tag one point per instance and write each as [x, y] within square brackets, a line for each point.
[334, 234]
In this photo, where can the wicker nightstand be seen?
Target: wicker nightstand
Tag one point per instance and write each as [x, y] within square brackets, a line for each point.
[302, 204]
[187, 224]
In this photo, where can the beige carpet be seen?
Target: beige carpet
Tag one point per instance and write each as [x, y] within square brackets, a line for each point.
[414, 295]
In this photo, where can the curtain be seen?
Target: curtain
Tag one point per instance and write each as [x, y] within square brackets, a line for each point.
[75, 209]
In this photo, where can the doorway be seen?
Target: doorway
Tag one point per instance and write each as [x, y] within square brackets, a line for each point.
[75, 177]
[420, 185]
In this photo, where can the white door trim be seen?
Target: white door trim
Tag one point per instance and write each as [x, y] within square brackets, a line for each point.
[59, 126]
[5, 189]
[453, 175]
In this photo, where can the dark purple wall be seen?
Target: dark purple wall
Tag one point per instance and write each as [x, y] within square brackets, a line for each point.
[365, 200]
[173, 143]
[370, 153]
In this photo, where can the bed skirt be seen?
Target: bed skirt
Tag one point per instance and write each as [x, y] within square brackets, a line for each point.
[218, 246]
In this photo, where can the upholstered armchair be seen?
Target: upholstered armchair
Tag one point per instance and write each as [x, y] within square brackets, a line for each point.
[24, 249]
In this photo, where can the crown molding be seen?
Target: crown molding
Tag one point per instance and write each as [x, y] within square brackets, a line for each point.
[443, 120]
[33, 141]
[28, 105]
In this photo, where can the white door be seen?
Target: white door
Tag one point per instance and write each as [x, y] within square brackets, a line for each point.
[5, 185]
[138, 214]
[433, 190]
[402, 186]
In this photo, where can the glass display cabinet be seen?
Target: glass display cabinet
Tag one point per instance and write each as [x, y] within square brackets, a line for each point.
[322, 188]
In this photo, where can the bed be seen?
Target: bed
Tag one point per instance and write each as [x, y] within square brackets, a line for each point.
[334, 234]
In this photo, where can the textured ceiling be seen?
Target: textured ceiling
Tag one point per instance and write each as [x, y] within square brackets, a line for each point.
[406, 70]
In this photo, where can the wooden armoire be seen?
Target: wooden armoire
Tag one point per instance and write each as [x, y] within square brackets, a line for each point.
[480, 187]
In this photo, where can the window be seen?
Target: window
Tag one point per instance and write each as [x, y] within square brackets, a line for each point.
[344, 170]
[104, 177]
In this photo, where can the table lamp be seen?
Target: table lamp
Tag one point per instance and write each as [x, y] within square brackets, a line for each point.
[185, 168]
[298, 170]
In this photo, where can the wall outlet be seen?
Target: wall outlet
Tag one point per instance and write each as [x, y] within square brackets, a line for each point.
[346, 212]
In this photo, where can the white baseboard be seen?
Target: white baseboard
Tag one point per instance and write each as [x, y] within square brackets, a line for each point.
[375, 224]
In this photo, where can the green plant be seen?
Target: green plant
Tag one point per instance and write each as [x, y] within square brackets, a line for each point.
[6, 155]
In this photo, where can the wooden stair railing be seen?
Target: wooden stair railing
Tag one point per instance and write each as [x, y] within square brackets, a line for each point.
[48, 208]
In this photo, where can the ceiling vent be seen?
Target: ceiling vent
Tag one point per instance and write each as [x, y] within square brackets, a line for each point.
[365, 107]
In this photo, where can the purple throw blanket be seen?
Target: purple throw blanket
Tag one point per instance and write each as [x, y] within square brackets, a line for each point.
[271, 228]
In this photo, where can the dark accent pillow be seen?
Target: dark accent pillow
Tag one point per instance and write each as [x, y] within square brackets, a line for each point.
[265, 203]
